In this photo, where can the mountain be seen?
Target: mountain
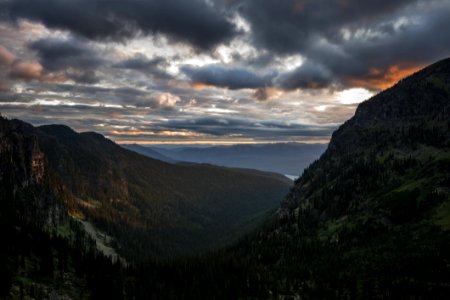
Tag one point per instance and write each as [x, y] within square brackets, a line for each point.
[283, 158]
[147, 151]
[371, 218]
[148, 207]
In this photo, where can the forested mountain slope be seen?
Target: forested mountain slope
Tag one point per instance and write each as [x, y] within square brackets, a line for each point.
[371, 217]
[149, 207]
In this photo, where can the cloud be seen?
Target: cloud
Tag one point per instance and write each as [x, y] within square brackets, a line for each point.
[59, 54]
[406, 46]
[126, 96]
[364, 43]
[261, 94]
[289, 26]
[230, 78]
[161, 116]
[32, 70]
[308, 76]
[4, 87]
[153, 67]
[194, 22]
[75, 59]
[266, 93]
[26, 70]
[141, 62]
[248, 128]
[86, 77]
[167, 100]
[6, 57]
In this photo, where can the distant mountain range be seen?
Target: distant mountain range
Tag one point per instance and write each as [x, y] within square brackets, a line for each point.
[147, 151]
[283, 158]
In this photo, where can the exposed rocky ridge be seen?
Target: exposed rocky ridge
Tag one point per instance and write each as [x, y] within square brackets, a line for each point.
[24, 168]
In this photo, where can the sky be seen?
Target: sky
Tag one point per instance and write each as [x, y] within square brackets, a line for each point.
[210, 71]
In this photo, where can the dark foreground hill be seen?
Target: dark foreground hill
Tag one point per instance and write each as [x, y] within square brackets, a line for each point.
[371, 218]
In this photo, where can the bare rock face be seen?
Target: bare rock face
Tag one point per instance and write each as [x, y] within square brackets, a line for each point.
[37, 163]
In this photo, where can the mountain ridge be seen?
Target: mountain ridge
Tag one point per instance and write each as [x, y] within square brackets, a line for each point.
[148, 152]
[283, 158]
[373, 205]
[123, 192]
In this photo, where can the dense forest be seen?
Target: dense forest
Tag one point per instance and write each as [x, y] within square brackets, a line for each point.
[369, 220]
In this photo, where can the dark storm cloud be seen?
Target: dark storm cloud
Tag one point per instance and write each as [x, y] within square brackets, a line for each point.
[141, 63]
[231, 78]
[74, 58]
[154, 67]
[247, 128]
[351, 43]
[414, 45]
[59, 54]
[289, 26]
[194, 22]
[87, 77]
[308, 75]
[261, 60]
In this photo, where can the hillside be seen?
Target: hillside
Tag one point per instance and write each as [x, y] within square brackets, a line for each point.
[151, 208]
[370, 218]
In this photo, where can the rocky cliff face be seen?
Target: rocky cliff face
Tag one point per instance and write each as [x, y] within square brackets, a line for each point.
[37, 161]
[24, 179]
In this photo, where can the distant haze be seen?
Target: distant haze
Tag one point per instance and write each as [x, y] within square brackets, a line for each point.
[284, 158]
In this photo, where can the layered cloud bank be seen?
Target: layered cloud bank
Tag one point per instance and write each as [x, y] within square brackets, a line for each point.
[213, 70]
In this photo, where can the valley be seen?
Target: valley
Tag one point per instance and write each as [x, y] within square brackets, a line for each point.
[224, 150]
[283, 158]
